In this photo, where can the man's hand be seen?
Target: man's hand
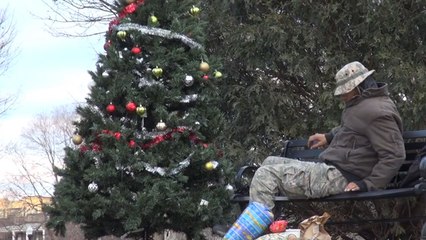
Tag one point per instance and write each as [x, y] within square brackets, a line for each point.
[317, 140]
[351, 187]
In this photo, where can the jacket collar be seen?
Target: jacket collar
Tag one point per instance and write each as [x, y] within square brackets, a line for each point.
[381, 90]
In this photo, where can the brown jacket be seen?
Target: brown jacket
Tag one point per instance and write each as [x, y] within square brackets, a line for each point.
[368, 147]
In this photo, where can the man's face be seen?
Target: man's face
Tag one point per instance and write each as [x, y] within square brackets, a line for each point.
[348, 96]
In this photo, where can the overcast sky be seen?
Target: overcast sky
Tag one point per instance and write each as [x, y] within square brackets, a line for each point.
[47, 72]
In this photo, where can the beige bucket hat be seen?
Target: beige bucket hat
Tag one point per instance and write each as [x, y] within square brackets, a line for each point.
[350, 76]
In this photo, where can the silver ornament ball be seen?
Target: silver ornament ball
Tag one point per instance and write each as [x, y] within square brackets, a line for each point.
[189, 80]
[93, 187]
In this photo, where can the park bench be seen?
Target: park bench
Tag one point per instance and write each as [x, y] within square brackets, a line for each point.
[297, 149]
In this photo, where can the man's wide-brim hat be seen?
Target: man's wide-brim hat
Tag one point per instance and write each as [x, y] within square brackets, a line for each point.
[350, 76]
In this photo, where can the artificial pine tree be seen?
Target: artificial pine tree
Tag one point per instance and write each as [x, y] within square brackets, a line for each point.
[147, 157]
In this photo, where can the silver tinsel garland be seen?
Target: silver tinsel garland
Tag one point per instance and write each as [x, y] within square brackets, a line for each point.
[158, 32]
[166, 171]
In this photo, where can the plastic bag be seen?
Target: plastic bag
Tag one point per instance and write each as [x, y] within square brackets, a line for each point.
[313, 228]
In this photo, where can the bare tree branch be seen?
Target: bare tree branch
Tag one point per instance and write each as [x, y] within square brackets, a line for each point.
[49, 134]
[40, 152]
[7, 34]
[79, 18]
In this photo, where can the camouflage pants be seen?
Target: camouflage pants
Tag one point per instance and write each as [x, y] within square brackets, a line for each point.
[294, 178]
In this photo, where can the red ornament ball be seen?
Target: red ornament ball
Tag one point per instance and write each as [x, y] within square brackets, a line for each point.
[117, 135]
[206, 77]
[131, 106]
[107, 45]
[136, 50]
[110, 108]
[132, 143]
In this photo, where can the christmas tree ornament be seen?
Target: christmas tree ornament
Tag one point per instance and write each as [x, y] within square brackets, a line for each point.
[211, 165]
[136, 50]
[153, 20]
[189, 80]
[110, 108]
[131, 106]
[141, 111]
[105, 74]
[204, 67]
[77, 139]
[130, 1]
[158, 72]
[93, 187]
[161, 126]
[117, 135]
[107, 45]
[195, 10]
[132, 143]
[122, 35]
[206, 77]
[229, 187]
[197, 125]
[217, 74]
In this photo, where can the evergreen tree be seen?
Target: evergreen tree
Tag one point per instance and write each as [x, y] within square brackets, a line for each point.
[147, 154]
[282, 57]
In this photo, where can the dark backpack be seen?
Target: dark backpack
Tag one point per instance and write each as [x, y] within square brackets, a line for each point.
[413, 173]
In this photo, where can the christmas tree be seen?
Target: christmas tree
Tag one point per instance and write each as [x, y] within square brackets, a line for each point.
[147, 155]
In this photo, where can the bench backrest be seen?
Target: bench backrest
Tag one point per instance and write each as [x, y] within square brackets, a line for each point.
[413, 141]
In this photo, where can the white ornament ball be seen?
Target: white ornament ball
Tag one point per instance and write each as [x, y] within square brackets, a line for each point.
[189, 80]
[161, 126]
[93, 187]
[105, 74]
[229, 187]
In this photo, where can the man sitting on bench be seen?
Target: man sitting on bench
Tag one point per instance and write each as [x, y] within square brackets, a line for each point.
[363, 154]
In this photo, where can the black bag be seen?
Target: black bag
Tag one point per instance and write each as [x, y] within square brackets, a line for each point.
[413, 173]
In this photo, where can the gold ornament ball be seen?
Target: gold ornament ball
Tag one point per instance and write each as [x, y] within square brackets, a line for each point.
[210, 165]
[195, 10]
[121, 34]
[158, 72]
[217, 74]
[153, 19]
[141, 111]
[204, 67]
[77, 139]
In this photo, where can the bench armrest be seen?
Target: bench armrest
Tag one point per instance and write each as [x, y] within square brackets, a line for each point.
[422, 168]
[243, 179]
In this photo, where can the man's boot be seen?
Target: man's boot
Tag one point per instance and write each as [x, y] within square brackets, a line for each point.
[254, 220]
